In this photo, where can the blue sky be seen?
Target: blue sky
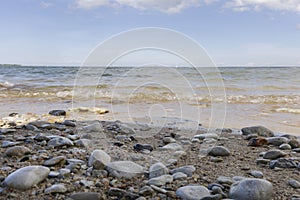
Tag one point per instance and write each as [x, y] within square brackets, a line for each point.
[233, 32]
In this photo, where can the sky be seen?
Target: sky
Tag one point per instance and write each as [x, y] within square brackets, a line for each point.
[233, 32]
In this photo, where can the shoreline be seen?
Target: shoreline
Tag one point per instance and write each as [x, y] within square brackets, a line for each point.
[66, 148]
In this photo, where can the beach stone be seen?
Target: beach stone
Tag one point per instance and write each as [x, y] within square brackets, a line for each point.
[64, 171]
[55, 161]
[294, 143]
[141, 147]
[86, 196]
[124, 169]
[251, 189]
[256, 174]
[284, 163]
[161, 180]
[179, 176]
[168, 140]
[251, 136]
[57, 113]
[218, 151]
[40, 124]
[206, 136]
[192, 192]
[57, 188]
[146, 191]
[53, 174]
[70, 123]
[60, 141]
[257, 142]
[259, 130]
[261, 161]
[96, 127]
[296, 150]
[172, 147]
[98, 159]
[26, 177]
[6, 144]
[212, 197]
[285, 147]
[158, 169]
[294, 183]
[188, 170]
[41, 137]
[225, 180]
[17, 151]
[83, 143]
[274, 154]
[277, 141]
[73, 137]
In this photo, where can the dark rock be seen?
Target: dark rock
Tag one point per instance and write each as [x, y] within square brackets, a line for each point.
[259, 130]
[141, 147]
[257, 142]
[277, 141]
[284, 163]
[274, 154]
[218, 151]
[294, 144]
[17, 151]
[57, 113]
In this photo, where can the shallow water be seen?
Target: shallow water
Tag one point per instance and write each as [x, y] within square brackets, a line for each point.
[226, 97]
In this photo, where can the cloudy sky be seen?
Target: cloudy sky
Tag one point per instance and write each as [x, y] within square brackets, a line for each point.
[233, 32]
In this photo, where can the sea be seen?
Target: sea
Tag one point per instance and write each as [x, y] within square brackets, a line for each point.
[223, 97]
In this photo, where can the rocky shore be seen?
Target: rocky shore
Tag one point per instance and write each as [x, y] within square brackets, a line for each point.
[56, 158]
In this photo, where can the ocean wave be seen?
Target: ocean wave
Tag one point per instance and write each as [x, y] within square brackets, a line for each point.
[6, 84]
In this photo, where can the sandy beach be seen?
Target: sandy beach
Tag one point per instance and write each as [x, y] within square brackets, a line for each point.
[115, 160]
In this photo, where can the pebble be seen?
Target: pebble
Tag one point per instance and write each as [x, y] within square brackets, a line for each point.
[188, 170]
[141, 147]
[179, 176]
[158, 169]
[294, 143]
[251, 189]
[294, 183]
[57, 188]
[256, 174]
[53, 174]
[285, 147]
[296, 150]
[257, 142]
[261, 161]
[98, 159]
[146, 191]
[259, 130]
[207, 135]
[168, 140]
[83, 143]
[274, 154]
[55, 161]
[26, 177]
[41, 137]
[6, 144]
[218, 151]
[57, 113]
[225, 180]
[86, 196]
[17, 151]
[161, 180]
[277, 141]
[171, 147]
[60, 141]
[64, 172]
[124, 169]
[192, 192]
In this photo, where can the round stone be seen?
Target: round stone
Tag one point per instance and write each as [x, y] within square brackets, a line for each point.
[124, 169]
[218, 151]
[17, 151]
[98, 159]
[192, 192]
[157, 169]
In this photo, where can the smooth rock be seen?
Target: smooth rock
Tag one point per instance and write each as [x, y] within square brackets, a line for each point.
[207, 135]
[274, 154]
[188, 170]
[192, 192]
[57, 188]
[161, 180]
[259, 130]
[284, 163]
[86, 196]
[99, 159]
[179, 176]
[60, 141]
[218, 151]
[26, 177]
[55, 161]
[146, 191]
[41, 137]
[294, 183]
[285, 147]
[225, 180]
[256, 174]
[17, 151]
[57, 113]
[6, 144]
[158, 169]
[124, 169]
[277, 141]
[83, 143]
[251, 189]
[171, 147]
[294, 143]
[141, 147]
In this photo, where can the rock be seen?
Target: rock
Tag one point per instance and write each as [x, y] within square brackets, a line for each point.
[99, 159]
[261, 161]
[119, 193]
[99, 173]
[294, 183]
[26, 177]
[179, 176]
[274, 154]
[251, 189]
[57, 113]
[168, 140]
[188, 170]
[284, 163]
[83, 143]
[39, 124]
[71, 123]
[64, 172]
[212, 197]
[285, 147]
[124, 169]
[158, 169]
[256, 174]
[55, 161]
[294, 143]
[60, 141]
[161, 180]
[141, 147]
[296, 150]
[218, 151]
[171, 147]
[53, 174]
[277, 141]
[207, 135]
[257, 142]
[6, 144]
[192, 192]
[146, 191]
[75, 161]
[158, 189]
[225, 180]
[96, 127]
[57, 188]
[17, 151]
[259, 130]
[41, 137]
[86, 196]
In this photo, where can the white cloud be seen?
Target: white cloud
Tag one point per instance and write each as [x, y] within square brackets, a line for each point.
[281, 5]
[44, 4]
[165, 6]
